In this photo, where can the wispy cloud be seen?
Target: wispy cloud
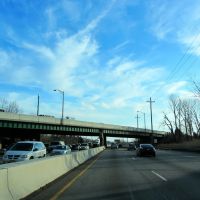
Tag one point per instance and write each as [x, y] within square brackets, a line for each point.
[42, 50]
[121, 45]
[5, 61]
[172, 18]
[89, 56]
[179, 89]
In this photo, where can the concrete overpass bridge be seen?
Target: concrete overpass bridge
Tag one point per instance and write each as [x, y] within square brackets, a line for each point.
[30, 126]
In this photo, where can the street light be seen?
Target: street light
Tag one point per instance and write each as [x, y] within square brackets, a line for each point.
[63, 94]
[137, 119]
[144, 119]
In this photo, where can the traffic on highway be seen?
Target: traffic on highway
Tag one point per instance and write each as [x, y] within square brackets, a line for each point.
[120, 174]
[28, 150]
[131, 172]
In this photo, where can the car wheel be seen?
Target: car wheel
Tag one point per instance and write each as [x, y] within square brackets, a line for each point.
[31, 157]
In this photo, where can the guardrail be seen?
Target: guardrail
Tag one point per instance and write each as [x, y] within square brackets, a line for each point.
[18, 180]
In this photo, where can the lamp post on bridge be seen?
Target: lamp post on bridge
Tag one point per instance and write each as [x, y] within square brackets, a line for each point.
[137, 120]
[144, 119]
[63, 94]
[38, 105]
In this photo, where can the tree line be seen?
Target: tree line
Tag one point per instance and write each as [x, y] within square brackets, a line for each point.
[183, 119]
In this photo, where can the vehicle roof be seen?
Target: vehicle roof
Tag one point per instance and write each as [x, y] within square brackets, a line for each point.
[34, 142]
[60, 145]
[146, 145]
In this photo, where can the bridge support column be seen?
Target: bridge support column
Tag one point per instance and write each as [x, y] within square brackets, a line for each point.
[105, 140]
[102, 138]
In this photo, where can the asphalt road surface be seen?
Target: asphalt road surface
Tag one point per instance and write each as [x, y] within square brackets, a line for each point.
[119, 175]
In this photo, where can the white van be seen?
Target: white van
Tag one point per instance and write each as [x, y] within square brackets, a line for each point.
[25, 150]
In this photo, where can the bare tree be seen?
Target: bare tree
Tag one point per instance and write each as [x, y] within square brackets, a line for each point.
[167, 122]
[7, 106]
[174, 102]
[182, 118]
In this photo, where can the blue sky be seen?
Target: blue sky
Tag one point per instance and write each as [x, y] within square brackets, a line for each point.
[109, 57]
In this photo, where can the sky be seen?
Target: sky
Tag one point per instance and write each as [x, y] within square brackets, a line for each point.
[109, 57]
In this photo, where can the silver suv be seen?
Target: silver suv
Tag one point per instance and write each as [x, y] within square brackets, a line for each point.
[54, 144]
[25, 150]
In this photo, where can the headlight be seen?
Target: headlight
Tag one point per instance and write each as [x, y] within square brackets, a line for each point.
[23, 156]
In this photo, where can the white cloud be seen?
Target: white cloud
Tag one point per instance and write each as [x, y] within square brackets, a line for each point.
[162, 18]
[5, 61]
[179, 89]
[24, 74]
[192, 41]
[121, 45]
[125, 67]
[174, 88]
[173, 19]
[71, 57]
[42, 50]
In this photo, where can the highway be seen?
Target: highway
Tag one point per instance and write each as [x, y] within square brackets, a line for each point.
[118, 174]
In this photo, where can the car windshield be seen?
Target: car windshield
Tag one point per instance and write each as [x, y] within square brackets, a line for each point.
[74, 145]
[146, 146]
[84, 144]
[22, 147]
[60, 147]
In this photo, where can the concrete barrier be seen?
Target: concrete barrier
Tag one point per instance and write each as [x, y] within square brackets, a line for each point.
[4, 191]
[17, 180]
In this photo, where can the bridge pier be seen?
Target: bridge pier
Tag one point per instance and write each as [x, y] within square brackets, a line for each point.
[102, 138]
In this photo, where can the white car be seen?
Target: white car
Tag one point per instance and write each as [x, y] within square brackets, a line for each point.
[25, 150]
[60, 150]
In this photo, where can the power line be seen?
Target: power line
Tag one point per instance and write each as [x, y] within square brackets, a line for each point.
[181, 62]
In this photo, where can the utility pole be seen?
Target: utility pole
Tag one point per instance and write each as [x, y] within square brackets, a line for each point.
[150, 102]
[38, 105]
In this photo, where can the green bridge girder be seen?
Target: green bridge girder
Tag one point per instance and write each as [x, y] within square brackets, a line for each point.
[36, 125]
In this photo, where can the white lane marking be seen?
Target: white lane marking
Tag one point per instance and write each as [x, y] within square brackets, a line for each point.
[134, 158]
[163, 178]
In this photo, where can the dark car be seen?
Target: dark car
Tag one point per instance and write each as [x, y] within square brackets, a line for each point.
[146, 150]
[95, 144]
[75, 147]
[114, 146]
